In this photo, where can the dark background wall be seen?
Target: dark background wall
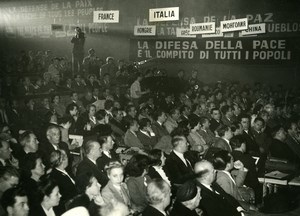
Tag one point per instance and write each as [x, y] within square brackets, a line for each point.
[24, 27]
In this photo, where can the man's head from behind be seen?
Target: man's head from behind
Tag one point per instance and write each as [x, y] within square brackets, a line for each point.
[205, 172]
[189, 195]
[9, 177]
[15, 202]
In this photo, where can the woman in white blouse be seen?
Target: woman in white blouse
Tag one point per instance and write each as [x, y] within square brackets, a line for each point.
[156, 170]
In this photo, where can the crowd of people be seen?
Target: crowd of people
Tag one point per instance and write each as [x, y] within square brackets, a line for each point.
[106, 140]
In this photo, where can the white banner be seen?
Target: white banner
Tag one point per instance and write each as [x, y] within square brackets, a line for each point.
[202, 28]
[149, 30]
[218, 33]
[234, 25]
[163, 14]
[106, 16]
[184, 33]
[255, 29]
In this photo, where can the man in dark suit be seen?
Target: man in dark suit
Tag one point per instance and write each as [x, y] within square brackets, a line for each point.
[279, 148]
[185, 112]
[292, 138]
[212, 193]
[252, 147]
[5, 152]
[222, 142]
[215, 121]
[93, 151]
[157, 126]
[227, 115]
[177, 166]
[146, 134]
[108, 155]
[54, 143]
[238, 144]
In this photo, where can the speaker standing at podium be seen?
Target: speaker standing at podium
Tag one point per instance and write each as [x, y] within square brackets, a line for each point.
[78, 50]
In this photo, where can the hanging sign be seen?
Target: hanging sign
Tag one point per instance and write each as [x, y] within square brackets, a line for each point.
[255, 29]
[218, 33]
[234, 25]
[202, 28]
[148, 30]
[163, 14]
[184, 33]
[106, 16]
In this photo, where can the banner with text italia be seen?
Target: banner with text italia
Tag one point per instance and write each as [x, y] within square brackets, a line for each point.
[219, 51]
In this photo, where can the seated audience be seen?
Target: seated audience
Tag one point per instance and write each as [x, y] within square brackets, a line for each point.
[116, 189]
[89, 194]
[64, 180]
[108, 154]
[145, 134]
[136, 179]
[159, 198]
[156, 170]
[93, 151]
[232, 180]
[48, 197]
[177, 166]
[187, 200]
[131, 139]
[212, 193]
[15, 202]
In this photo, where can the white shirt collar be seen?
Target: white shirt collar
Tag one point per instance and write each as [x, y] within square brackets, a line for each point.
[107, 153]
[181, 156]
[3, 162]
[94, 162]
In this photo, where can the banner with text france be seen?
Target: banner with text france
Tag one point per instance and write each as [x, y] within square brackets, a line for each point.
[111, 16]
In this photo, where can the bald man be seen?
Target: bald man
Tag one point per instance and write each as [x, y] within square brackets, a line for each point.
[215, 201]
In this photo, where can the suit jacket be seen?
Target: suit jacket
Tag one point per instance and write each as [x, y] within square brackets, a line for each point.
[222, 144]
[208, 136]
[226, 204]
[228, 185]
[47, 148]
[251, 145]
[179, 210]
[137, 191]
[109, 192]
[226, 121]
[197, 142]
[67, 188]
[86, 165]
[251, 178]
[84, 200]
[214, 125]
[159, 130]
[104, 159]
[147, 141]
[294, 144]
[176, 169]
[281, 150]
[132, 140]
[151, 211]
[37, 210]
[262, 140]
